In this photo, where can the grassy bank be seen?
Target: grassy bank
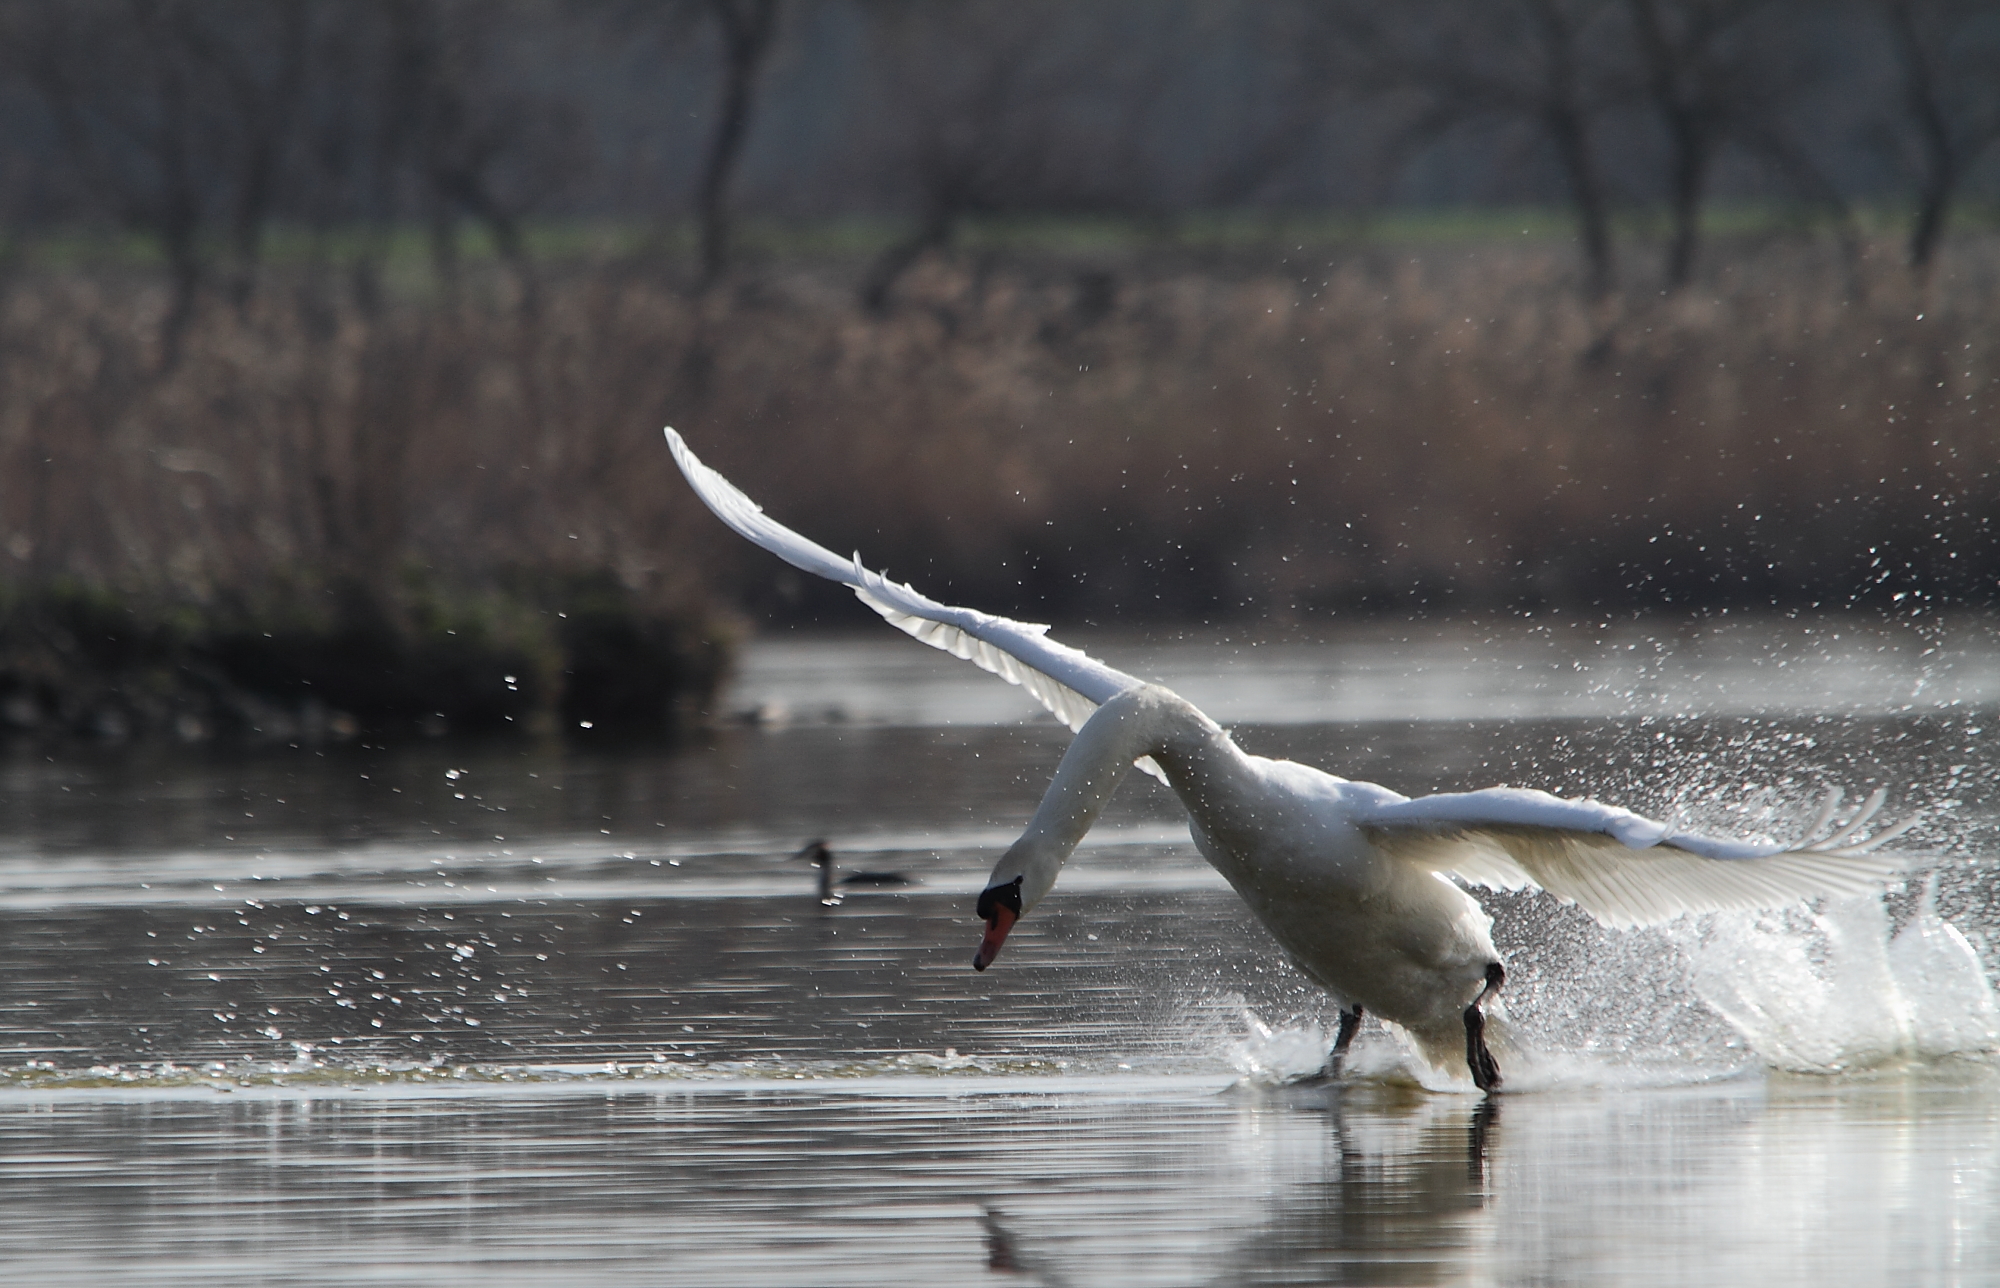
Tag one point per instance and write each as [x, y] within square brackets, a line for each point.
[406, 253]
[331, 471]
[539, 656]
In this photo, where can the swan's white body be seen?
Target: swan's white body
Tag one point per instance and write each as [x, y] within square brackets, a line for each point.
[1374, 932]
[1352, 879]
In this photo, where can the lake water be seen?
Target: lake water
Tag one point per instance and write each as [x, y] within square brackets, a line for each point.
[556, 1013]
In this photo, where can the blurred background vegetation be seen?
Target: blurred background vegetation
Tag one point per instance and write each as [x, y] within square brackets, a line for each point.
[336, 335]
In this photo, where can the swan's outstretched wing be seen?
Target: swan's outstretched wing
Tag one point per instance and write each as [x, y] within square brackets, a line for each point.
[1624, 869]
[1070, 683]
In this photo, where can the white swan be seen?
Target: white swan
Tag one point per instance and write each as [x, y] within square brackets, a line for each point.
[1352, 879]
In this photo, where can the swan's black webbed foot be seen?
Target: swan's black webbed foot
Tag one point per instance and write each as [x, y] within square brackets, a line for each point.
[1485, 1070]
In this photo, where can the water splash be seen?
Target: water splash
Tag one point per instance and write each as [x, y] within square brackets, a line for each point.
[1268, 1056]
[1276, 1055]
[1833, 990]
[1837, 989]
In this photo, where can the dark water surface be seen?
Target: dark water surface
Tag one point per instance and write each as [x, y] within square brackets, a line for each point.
[540, 1014]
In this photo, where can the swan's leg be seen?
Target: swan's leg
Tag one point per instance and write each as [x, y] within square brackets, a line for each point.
[1350, 1020]
[1485, 1071]
[1342, 1039]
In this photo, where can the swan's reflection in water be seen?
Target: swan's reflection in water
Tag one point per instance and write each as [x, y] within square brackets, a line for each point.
[1403, 1199]
[1797, 1182]
[1010, 1180]
[1401, 1196]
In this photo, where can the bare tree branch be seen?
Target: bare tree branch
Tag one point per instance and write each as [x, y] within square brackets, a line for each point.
[1714, 72]
[1004, 108]
[1948, 56]
[1554, 64]
[748, 29]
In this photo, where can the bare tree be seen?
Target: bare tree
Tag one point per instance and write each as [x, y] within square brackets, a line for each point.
[1000, 108]
[259, 67]
[1948, 56]
[748, 30]
[488, 145]
[1565, 107]
[1555, 65]
[173, 116]
[1713, 75]
[350, 174]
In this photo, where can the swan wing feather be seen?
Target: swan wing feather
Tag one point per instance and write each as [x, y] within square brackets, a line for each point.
[1622, 868]
[1069, 682]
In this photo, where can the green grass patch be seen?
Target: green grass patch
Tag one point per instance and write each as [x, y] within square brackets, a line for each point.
[407, 254]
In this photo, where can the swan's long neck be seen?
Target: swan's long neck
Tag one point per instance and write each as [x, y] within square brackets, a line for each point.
[1144, 721]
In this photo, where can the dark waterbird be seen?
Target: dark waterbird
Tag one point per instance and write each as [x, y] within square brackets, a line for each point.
[816, 853]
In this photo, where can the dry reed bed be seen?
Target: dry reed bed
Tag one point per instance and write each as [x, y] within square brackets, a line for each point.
[1453, 429]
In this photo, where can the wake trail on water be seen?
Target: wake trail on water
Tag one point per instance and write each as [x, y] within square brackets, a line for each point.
[310, 1074]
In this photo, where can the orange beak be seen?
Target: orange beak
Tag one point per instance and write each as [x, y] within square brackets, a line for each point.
[998, 924]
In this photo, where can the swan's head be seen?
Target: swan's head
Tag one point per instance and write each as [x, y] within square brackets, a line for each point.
[999, 907]
[1022, 876]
